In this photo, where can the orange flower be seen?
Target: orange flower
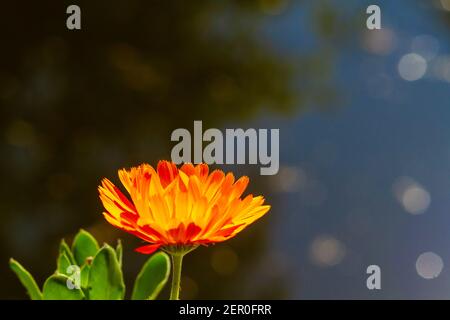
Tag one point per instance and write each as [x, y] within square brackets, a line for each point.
[180, 207]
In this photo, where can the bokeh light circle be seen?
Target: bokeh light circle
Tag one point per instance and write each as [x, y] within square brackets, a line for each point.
[429, 265]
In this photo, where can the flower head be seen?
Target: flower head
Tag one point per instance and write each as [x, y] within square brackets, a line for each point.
[184, 206]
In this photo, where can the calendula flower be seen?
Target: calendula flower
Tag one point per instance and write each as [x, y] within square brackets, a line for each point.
[179, 208]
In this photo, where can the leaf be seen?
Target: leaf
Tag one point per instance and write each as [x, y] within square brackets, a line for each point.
[152, 277]
[63, 263]
[84, 245]
[56, 287]
[105, 276]
[119, 252]
[84, 278]
[84, 274]
[64, 248]
[26, 279]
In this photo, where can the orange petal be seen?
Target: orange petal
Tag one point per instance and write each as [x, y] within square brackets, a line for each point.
[188, 169]
[148, 249]
[189, 205]
[167, 172]
[191, 231]
[202, 170]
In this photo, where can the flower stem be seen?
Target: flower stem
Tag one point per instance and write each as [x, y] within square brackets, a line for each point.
[177, 261]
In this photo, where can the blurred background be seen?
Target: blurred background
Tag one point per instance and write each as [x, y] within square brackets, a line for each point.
[364, 135]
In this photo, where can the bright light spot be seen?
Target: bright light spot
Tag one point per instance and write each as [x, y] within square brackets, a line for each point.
[425, 46]
[411, 195]
[412, 67]
[380, 42]
[416, 200]
[327, 251]
[429, 265]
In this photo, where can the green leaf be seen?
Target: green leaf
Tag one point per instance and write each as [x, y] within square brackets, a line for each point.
[84, 245]
[152, 278]
[119, 252]
[64, 248]
[56, 287]
[105, 276]
[85, 275]
[26, 279]
[63, 263]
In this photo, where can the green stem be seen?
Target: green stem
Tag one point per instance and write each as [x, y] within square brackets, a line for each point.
[177, 261]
